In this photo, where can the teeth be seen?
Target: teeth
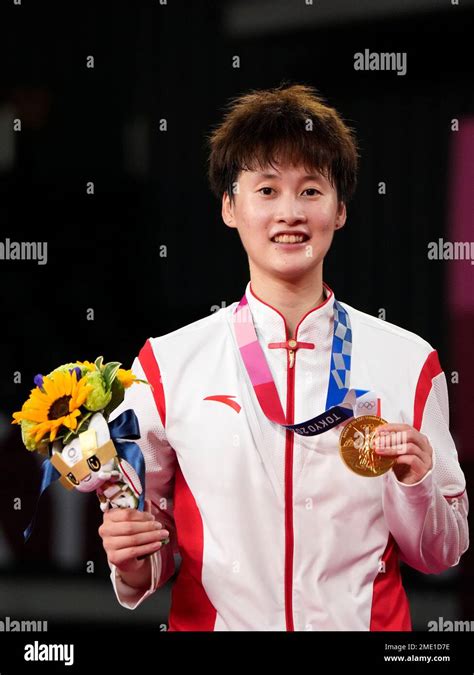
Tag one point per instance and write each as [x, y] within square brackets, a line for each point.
[288, 238]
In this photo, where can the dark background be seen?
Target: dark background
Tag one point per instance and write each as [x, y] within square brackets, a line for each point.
[174, 62]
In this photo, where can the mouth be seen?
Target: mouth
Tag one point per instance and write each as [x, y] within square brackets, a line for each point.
[290, 240]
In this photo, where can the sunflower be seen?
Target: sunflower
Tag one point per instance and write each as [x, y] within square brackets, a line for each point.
[56, 404]
[126, 377]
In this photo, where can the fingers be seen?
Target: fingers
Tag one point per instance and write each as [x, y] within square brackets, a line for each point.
[124, 555]
[394, 448]
[136, 540]
[414, 463]
[126, 541]
[402, 433]
[409, 469]
[400, 439]
[128, 527]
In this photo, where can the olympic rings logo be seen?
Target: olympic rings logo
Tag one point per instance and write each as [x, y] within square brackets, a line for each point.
[366, 404]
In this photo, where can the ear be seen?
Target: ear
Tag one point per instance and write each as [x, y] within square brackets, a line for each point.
[227, 211]
[341, 216]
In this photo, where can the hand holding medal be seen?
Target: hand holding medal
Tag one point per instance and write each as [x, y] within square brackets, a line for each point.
[370, 446]
[410, 450]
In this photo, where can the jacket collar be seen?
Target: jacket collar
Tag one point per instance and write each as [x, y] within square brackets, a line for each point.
[270, 324]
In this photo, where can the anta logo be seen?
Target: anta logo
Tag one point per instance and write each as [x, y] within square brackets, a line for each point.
[224, 398]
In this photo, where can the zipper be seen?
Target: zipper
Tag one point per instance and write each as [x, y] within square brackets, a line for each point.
[289, 533]
[291, 345]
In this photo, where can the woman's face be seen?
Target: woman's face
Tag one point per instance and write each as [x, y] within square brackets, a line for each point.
[284, 199]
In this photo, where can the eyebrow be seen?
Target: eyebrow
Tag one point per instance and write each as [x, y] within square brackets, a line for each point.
[309, 176]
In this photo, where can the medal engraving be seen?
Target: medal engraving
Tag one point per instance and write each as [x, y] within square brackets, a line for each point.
[356, 445]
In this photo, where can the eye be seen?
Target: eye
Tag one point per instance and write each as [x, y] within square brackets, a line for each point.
[314, 190]
[265, 188]
[94, 463]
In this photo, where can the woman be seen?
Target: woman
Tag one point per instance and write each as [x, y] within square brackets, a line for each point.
[250, 407]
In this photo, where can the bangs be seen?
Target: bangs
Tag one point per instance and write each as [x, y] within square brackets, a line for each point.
[277, 152]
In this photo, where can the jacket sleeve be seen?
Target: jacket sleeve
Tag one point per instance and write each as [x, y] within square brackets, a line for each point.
[428, 519]
[160, 465]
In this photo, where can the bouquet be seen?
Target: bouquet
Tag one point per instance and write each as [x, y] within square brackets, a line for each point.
[66, 418]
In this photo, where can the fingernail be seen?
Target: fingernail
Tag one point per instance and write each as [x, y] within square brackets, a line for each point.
[158, 526]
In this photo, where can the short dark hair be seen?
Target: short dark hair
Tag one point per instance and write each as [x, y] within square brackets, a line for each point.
[290, 124]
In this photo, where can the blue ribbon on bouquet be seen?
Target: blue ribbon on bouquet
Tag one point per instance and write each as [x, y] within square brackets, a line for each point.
[124, 429]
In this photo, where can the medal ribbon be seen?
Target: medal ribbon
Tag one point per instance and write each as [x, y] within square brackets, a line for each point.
[340, 400]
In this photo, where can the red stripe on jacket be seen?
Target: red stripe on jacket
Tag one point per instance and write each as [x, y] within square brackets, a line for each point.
[430, 369]
[390, 608]
[191, 609]
[153, 376]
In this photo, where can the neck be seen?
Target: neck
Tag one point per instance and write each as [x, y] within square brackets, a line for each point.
[293, 299]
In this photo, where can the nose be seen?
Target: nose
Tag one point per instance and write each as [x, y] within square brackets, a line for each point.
[290, 211]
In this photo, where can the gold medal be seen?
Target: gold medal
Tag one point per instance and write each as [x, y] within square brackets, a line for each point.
[356, 445]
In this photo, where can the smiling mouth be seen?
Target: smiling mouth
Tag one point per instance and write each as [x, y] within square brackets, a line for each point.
[290, 239]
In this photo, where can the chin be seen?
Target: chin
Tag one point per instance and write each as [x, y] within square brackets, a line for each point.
[292, 273]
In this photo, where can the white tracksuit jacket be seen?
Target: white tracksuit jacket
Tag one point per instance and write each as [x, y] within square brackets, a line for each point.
[275, 533]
